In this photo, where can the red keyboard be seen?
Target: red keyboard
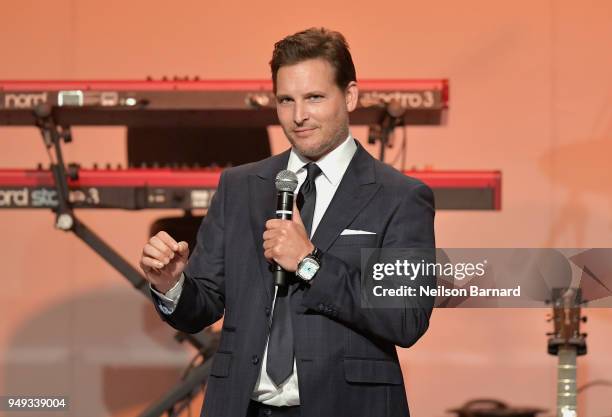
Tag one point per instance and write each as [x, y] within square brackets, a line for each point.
[249, 103]
[135, 189]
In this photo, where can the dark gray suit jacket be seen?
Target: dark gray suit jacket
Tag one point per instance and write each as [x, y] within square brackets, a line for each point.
[346, 359]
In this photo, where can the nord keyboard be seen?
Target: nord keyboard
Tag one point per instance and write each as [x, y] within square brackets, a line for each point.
[211, 103]
[162, 188]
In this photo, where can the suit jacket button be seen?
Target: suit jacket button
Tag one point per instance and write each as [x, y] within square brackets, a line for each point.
[321, 307]
[267, 412]
[267, 309]
[255, 359]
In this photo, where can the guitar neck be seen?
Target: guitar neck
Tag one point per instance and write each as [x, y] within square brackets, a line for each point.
[566, 382]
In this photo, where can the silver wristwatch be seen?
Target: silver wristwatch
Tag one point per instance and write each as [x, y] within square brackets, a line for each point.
[309, 266]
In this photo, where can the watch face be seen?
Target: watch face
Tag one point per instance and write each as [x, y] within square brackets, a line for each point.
[308, 268]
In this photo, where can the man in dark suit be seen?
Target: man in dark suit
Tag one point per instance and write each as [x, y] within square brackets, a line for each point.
[309, 349]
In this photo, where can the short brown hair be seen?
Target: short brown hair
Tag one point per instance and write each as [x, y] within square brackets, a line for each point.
[311, 44]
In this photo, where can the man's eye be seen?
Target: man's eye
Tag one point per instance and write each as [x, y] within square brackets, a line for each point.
[315, 97]
[284, 100]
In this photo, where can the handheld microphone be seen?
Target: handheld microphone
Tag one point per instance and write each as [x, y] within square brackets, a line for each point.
[286, 183]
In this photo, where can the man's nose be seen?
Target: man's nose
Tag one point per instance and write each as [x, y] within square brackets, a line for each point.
[300, 114]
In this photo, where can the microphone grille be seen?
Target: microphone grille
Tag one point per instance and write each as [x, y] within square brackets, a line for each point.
[286, 181]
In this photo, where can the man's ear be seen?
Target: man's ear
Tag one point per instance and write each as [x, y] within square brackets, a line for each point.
[351, 95]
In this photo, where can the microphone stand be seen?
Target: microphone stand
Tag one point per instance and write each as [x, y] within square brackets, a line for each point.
[392, 117]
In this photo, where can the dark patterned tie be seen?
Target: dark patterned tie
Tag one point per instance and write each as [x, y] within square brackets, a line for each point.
[307, 197]
[280, 347]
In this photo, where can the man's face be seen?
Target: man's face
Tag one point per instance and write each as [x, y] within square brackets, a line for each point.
[312, 109]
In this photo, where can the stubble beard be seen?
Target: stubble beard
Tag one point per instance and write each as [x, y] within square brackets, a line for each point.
[324, 147]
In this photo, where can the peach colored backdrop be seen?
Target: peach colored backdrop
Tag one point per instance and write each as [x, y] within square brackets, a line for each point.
[531, 95]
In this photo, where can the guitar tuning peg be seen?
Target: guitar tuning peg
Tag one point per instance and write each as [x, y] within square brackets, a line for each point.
[583, 319]
[550, 333]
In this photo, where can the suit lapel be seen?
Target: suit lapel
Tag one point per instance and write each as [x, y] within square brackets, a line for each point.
[356, 189]
[262, 207]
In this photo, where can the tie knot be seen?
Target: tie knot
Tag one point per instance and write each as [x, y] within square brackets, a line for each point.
[312, 171]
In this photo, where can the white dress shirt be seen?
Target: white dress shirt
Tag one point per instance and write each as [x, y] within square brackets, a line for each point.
[333, 166]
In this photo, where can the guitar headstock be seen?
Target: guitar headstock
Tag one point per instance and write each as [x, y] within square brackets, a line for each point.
[566, 318]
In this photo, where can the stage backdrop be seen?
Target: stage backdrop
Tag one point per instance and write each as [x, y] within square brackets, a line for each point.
[531, 95]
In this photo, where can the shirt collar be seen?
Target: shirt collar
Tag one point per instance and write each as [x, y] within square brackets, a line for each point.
[333, 165]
